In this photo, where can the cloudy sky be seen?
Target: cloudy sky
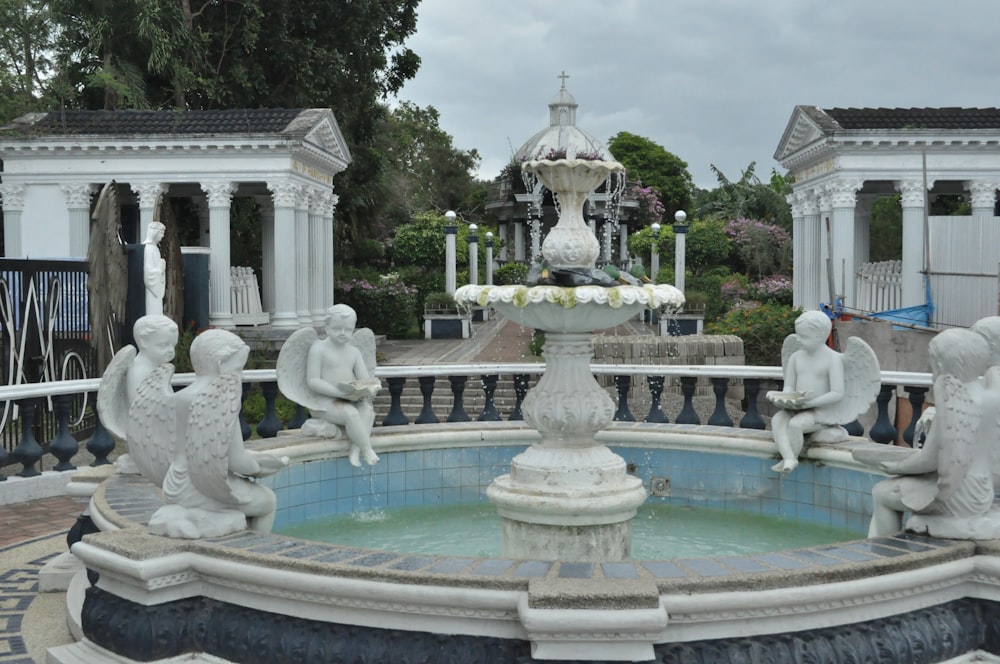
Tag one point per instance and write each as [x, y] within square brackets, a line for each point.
[712, 81]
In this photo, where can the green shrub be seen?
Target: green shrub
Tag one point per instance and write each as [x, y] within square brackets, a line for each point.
[253, 408]
[440, 300]
[537, 342]
[510, 274]
[710, 283]
[763, 329]
[387, 305]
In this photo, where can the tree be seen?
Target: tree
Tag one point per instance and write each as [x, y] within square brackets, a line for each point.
[747, 198]
[651, 164]
[25, 47]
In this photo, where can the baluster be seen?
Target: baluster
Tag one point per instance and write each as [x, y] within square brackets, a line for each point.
[63, 446]
[883, 431]
[688, 414]
[427, 415]
[854, 428]
[300, 417]
[490, 413]
[916, 396]
[751, 418]
[28, 452]
[719, 416]
[520, 391]
[270, 425]
[3, 460]
[656, 413]
[101, 444]
[395, 416]
[458, 413]
[245, 429]
[623, 414]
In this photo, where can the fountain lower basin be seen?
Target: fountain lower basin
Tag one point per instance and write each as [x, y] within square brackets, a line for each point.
[269, 590]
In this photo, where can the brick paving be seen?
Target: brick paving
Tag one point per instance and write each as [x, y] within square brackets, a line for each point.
[34, 518]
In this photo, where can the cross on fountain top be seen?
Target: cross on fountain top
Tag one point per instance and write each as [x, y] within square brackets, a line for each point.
[563, 76]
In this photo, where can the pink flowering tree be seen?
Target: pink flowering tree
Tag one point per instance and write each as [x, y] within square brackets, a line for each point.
[763, 248]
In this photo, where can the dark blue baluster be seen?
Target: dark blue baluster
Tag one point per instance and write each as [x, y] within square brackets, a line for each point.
[245, 429]
[521, 382]
[490, 413]
[3, 460]
[427, 415]
[688, 414]
[395, 416]
[623, 414]
[656, 413]
[28, 452]
[270, 425]
[63, 445]
[854, 428]
[751, 418]
[883, 431]
[101, 444]
[916, 396]
[458, 413]
[719, 416]
[300, 417]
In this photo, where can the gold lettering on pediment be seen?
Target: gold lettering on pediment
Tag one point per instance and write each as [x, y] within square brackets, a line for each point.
[816, 169]
[312, 172]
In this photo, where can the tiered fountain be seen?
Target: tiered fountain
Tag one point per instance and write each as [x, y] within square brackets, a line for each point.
[568, 496]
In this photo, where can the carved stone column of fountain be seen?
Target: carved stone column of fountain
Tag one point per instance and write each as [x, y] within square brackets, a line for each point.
[568, 496]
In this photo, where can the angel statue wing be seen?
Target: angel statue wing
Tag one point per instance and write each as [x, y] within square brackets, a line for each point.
[862, 381]
[212, 423]
[364, 340]
[789, 346]
[958, 419]
[152, 425]
[112, 394]
[291, 368]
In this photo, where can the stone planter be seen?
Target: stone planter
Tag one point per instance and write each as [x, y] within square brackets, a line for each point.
[683, 323]
[446, 324]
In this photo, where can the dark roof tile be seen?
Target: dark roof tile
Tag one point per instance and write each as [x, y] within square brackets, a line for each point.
[915, 118]
[131, 123]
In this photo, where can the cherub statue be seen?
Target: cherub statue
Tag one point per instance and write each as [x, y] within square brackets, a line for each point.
[823, 388]
[154, 269]
[210, 484]
[156, 337]
[947, 484]
[334, 379]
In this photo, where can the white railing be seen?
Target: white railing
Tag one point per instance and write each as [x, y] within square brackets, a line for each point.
[880, 286]
[246, 306]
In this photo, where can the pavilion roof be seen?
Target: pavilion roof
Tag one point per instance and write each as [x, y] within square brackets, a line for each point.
[953, 118]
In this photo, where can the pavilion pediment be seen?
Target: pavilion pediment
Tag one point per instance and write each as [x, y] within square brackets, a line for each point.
[325, 134]
[802, 130]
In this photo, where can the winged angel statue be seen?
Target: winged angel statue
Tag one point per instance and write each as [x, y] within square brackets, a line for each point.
[334, 379]
[948, 484]
[823, 389]
[190, 444]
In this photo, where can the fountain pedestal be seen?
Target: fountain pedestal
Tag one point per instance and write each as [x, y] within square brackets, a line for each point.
[568, 496]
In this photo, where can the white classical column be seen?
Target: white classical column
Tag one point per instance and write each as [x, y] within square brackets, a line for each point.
[450, 230]
[843, 198]
[302, 257]
[285, 194]
[504, 240]
[489, 258]
[13, 205]
[473, 241]
[982, 197]
[825, 204]
[317, 244]
[623, 242]
[77, 197]
[220, 312]
[811, 268]
[680, 249]
[329, 274]
[795, 200]
[519, 241]
[912, 197]
[149, 194]
[265, 207]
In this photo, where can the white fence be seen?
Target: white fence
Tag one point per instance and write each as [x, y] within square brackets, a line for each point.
[880, 286]
[245, 301]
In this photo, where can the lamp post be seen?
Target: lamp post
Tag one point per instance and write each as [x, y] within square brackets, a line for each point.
[489, 258]
[473, 254]
[450, 230]
[654, 259]
[680, 234]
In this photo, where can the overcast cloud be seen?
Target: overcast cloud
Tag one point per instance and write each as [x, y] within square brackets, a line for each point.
[712, 81]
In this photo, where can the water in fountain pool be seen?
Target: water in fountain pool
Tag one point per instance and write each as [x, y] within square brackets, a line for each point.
[659, 531]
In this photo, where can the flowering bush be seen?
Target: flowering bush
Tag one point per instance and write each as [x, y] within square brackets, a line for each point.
[650, 208]
[764, 248]
[386, 305]
[776, 289]
[763, 329]
[734, 289]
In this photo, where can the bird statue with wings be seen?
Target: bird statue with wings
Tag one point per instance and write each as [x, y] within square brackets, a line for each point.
[823, 388]
[335, 379]
[947, 485]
